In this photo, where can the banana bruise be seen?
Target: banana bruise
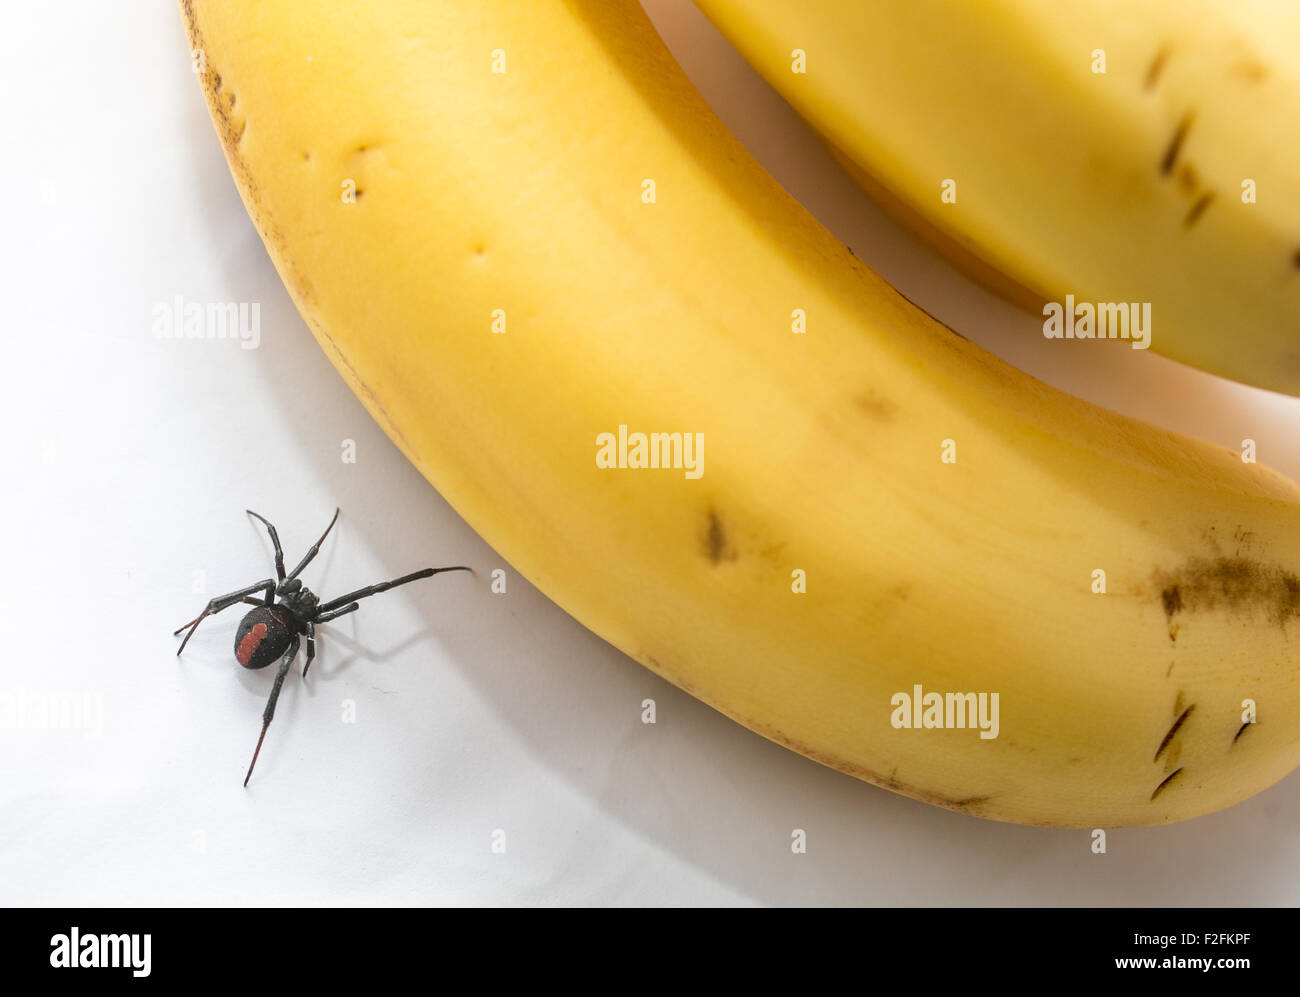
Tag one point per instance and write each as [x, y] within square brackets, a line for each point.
[535, 255]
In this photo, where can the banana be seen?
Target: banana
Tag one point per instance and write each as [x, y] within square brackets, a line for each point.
[545, 267]
[1113, 150]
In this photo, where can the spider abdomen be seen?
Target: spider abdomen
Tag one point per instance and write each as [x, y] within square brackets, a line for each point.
[264, 635]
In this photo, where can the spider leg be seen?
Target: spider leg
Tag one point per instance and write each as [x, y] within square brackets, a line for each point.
[336, 613]
[269, 713]
[370, 590]
[315, 548]
[311, 647]
[275, 542]
[225, 602]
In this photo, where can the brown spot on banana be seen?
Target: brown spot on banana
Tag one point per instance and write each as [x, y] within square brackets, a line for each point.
[873, 405]
[1197, 209]
[1164, 784]
[1172, 599]
[1182, 719]
[1170, 158]
[1235, 585]
[716, 544]
[1155, 68]
[1250, 70]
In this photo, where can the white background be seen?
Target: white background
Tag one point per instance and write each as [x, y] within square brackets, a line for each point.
[130, 461]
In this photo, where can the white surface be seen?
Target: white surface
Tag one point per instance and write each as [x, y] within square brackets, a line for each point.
[130, 462]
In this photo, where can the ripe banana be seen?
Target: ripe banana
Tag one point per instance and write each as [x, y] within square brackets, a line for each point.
[1116, 150]
[535, 254]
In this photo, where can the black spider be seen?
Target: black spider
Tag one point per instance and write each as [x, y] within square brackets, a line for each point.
[286, 612]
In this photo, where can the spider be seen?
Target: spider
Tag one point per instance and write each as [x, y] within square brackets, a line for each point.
[287, 611]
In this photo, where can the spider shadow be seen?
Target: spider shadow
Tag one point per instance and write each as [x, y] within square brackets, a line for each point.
[258, 683]
[325, 639]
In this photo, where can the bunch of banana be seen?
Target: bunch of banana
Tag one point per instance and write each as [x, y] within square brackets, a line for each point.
[1113, 150]
[691, 417]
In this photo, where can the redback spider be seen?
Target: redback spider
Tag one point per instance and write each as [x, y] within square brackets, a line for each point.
[287, 611]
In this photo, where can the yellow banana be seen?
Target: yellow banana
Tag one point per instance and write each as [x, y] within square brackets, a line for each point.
[1113, 150]
[524, 239]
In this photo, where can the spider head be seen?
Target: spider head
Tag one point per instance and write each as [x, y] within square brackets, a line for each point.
[298, 597]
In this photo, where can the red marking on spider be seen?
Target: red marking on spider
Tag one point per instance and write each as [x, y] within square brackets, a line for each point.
[244, 652]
